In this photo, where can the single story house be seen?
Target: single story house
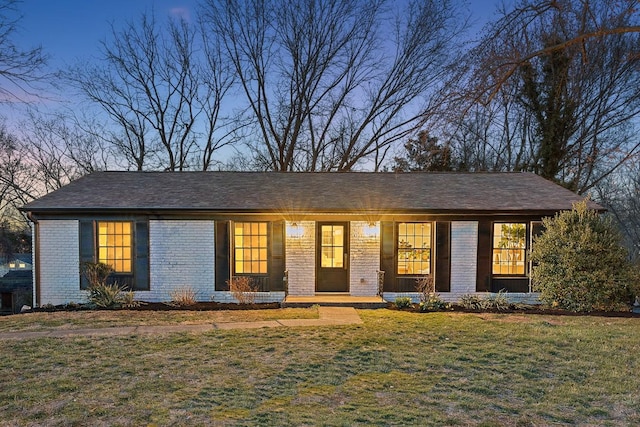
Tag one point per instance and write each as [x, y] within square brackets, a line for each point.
[298, 234]
[16, 283]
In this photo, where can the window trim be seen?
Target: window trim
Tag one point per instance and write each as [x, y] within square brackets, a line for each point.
[525, 249]
[232, 244]
[396, 242]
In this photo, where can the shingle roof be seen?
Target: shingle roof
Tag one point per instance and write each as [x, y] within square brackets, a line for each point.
[307, 192]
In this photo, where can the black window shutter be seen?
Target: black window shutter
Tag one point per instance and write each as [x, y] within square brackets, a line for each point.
[222, 255]
[141, 280]
[536, 229]
[387, 255]
[443, 256]
[483, 282]
[276, 270]
[87, 248]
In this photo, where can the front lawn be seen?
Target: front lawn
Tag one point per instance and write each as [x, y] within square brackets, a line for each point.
[42, 321]
[397, 369]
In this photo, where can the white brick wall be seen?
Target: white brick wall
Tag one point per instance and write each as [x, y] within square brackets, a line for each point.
[464, 258]
[181, 254]
[59, 262]
[364, 260]
[301, 259]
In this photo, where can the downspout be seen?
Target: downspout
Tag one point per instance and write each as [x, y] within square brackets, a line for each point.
[35, 248]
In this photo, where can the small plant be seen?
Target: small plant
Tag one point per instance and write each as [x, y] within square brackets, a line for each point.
[106, 296]
[128, 300]
[429, 299]
[426, 286]
[434, 303]
[72, 306]
[242, 289]
[498, 301]
[402, 302]
[96, 273]
[102, 294]
[472, 302]
[183, 296]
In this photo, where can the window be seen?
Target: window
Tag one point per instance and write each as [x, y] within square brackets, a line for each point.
[12, 265]
[414, 248]
[115, 245]
[332, 246]
[509, 245]
[250, 247]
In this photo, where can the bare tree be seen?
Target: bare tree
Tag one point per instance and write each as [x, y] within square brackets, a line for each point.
[19, 68]
[551, 88]
[163, 91]
[330, 85]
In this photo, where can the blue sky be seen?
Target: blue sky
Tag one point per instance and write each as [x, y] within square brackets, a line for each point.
[71, 30]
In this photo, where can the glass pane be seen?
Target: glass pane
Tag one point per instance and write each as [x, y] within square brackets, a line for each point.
[263, 267]
[263, 254]
[263, 241]
[338, 236]
[239, 268]
[238, 229]
[338, 257]
[255, 267]
[263, 228]
[255, 228]
[126, 266]
[327, 257]
[246, 228]
[327, 235]
[239, 253]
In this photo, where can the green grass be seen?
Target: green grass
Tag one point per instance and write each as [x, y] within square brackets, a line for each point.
[397, 369]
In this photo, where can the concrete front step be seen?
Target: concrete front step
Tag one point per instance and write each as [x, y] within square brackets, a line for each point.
[334, 300]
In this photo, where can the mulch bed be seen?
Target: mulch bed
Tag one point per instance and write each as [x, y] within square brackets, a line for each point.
[211, 306]
[161, 306]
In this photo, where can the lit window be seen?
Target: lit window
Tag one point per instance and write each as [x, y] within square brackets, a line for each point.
[509, 245]
[332, 246]
[414, 248]
[115, 245]
[22, 265]
[12, 265]
[250, 246]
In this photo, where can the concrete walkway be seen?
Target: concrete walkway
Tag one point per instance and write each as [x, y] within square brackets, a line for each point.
[328, 316]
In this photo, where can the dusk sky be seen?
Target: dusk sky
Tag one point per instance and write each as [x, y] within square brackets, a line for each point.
[71, 30]
[70, 33]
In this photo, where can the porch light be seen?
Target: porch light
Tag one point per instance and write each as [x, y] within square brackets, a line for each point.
[371, 230]
[294, 230]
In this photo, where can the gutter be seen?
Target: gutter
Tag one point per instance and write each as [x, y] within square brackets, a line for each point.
[36, 258]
